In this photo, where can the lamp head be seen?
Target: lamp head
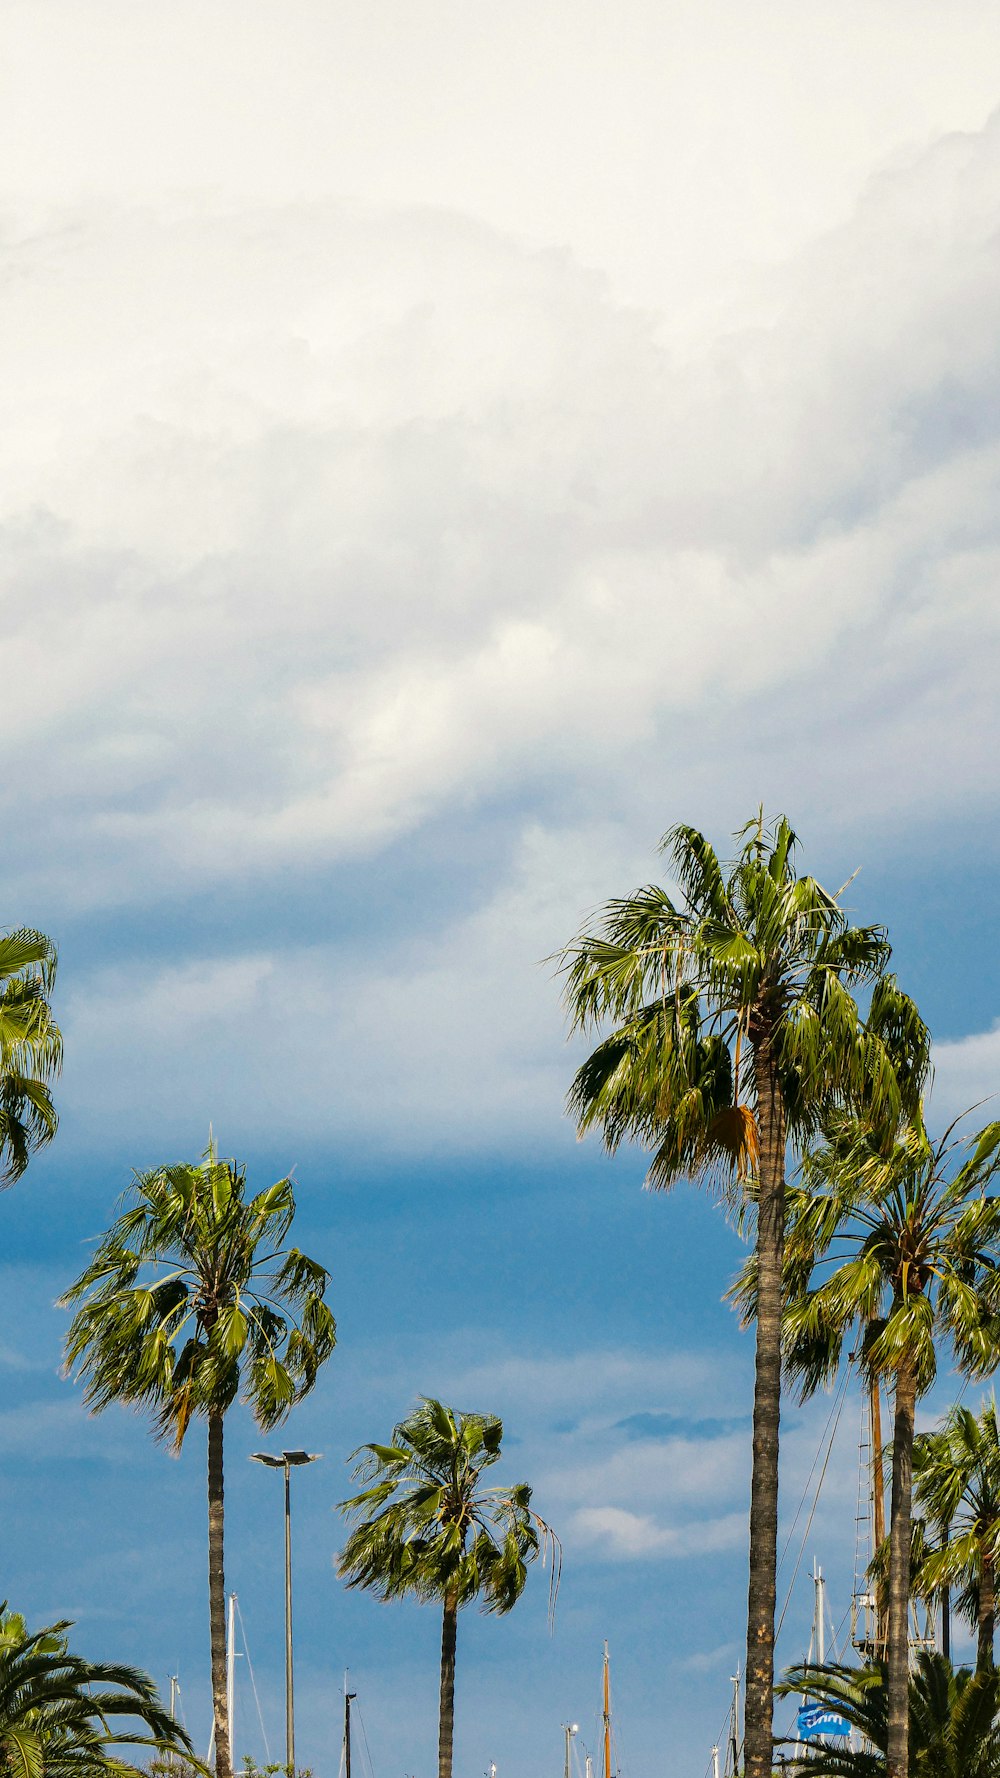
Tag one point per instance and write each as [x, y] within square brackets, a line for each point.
[286, 1459]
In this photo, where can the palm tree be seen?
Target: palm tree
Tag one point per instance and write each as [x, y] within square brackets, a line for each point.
[954, 1730]
[425, 1525]
[59, 1713]
[957, 1483]
[192, 1297]
[733, 1030]
[30, 1048]
[900, 1242]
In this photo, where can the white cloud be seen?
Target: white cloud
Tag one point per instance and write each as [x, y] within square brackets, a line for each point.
[967, 1072]
[627, 1535]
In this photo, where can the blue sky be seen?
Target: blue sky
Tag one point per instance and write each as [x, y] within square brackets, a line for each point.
[443, 450]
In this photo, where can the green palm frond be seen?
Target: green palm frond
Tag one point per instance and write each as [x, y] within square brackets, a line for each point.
[190, 1300]
[31, 1049]
[426, 1524]
[58, 1711]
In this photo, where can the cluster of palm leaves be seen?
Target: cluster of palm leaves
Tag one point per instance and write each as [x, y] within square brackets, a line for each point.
[62, 1716]
[954, 1719]
[733, 1046]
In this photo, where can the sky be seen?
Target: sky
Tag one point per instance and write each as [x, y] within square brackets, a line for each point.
[444, 446]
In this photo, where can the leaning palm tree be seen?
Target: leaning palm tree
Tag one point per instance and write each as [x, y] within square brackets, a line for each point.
[425, 1525]
[30, 1048]
[192, 1298]
[733, 1029]
[954, 1719]
[899, 1243]
[957, 1483]
[63, 1717]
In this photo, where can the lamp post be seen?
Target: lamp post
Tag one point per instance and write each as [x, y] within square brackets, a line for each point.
[570, 1729]
[286, 1461]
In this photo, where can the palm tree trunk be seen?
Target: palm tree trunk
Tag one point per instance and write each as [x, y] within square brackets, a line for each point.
[446, 1716]
[758, 1736]
[946, 1622]
[899, 1574]
[217, 1596]
[987, 1616]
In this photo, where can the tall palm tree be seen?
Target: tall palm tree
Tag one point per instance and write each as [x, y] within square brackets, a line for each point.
[193, 1297]
[733, 1028]
[60, 1714]
[426, 1525]
[30, 1048]
[954, 1719]
[957, 1483]
[899, 1242]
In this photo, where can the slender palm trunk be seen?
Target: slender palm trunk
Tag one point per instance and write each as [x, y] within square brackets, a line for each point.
[446, 1716]
[899, 1574]
[759, 1697]
[946, 1622]
[217, 1596]
[987, 1616]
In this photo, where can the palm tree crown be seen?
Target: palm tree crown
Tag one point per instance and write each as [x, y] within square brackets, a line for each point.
[699, 984]
[957, 1485]
[60, 1714]
[193, 1293]
[899, 1240]
[734, 1030]
[30, 1048]
[425, 1525]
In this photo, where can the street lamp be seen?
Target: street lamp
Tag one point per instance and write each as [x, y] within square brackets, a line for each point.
[570, 1729]
[286, 1462]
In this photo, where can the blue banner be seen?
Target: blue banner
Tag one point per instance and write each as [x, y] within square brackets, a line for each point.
[819, 1719]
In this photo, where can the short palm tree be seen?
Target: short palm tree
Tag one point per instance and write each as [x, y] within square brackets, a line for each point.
[957, 1483]
[733, 1029]
[900, 1243]
[63, 1717]
[954, 1730]
[193, 1297]
[30, 1048]
[425, 1525]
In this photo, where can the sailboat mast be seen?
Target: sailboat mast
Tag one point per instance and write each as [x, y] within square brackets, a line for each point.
[231, 1664]
[817, 1640]
[348, 1697]
[607, 1714]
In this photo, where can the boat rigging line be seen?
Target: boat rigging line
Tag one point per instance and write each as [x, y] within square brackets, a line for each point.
[835, 1414]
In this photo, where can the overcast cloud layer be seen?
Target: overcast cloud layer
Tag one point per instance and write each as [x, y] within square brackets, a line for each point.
[324, 527]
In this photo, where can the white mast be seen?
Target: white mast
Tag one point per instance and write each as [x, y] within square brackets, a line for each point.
[817, 1640]
[174, 1689]
[715, 1762]
[231, 1669]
